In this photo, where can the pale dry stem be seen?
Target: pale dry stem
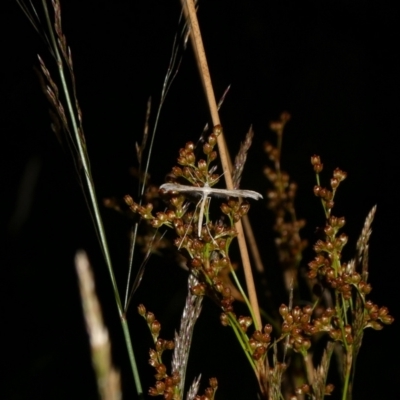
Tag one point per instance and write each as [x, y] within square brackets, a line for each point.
[198, 47]
[108, 379]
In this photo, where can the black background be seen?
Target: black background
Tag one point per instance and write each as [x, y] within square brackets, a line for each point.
[332, 64]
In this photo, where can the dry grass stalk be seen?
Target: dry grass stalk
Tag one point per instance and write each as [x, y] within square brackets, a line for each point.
[206, 79]
[194, 388]
[241, 158]
[363, 243]
[183, 339]
[108, 379]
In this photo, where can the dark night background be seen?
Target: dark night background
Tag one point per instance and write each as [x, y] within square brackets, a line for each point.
[332, 64]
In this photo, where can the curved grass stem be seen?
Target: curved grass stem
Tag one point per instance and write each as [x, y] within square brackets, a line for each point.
[92, 196]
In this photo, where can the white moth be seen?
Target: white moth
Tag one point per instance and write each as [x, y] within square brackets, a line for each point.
[207, 191]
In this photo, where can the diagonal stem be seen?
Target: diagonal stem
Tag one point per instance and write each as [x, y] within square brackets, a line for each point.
[93, 200]
[190, 13]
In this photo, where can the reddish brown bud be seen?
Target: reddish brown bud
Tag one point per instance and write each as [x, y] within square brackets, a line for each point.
[153, 354]
[244, 209]
[207, 148]
[160, 387]
[315, 160]
[161, 369]
[217, 130]
[226, 291]
[213, 383]
[150, 317]
[339, 174]
[317, 190]
[189, 146]
[176, 378]
[169, 382]
[141, 310]
[329, 388]
[212, 139]
[169, 344]
[318, 168]
[257, 335]
[329, 204]
[375, 325]
[153, 392]
[155, 327]
[307, 309]
[224, 319]
[387, 319]
[283, 310]
[329, 230]
[196, 263]
[177, 171]
[160, 343]
[213, 155]
[199, 289]
[334, 183]
[335, 334]
[202, 165]
[268, 328]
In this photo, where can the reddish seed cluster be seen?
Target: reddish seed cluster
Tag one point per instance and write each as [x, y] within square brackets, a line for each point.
[281, 202]
[259, 341]
[316, 163]
[209, 393]
[324, 194]
[165, 385]
[376, 316]
[296, 326]
[348, 286]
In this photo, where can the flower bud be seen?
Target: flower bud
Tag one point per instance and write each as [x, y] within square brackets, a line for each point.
[267, 328]
[217, 130]
[339, 174]
[334, 183]
[161, 369]
[212, 139]
[189, 146]
[160, 387]
[150, 317]
[213, 155]
[283, 310]
[141, 310]
[224, 319]
[213, 383]
[202, 165]
[155, 327]
[177, 171]
[207, 148]
[329, 388]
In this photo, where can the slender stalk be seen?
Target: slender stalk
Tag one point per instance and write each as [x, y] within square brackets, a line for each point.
[242, 340]
[197, 42]
[239, 286]
[93, 200]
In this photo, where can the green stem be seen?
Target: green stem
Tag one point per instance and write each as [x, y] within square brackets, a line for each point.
[93, 200]
[322, 201]
[242, 341]
[243, 294]
[347, 376]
